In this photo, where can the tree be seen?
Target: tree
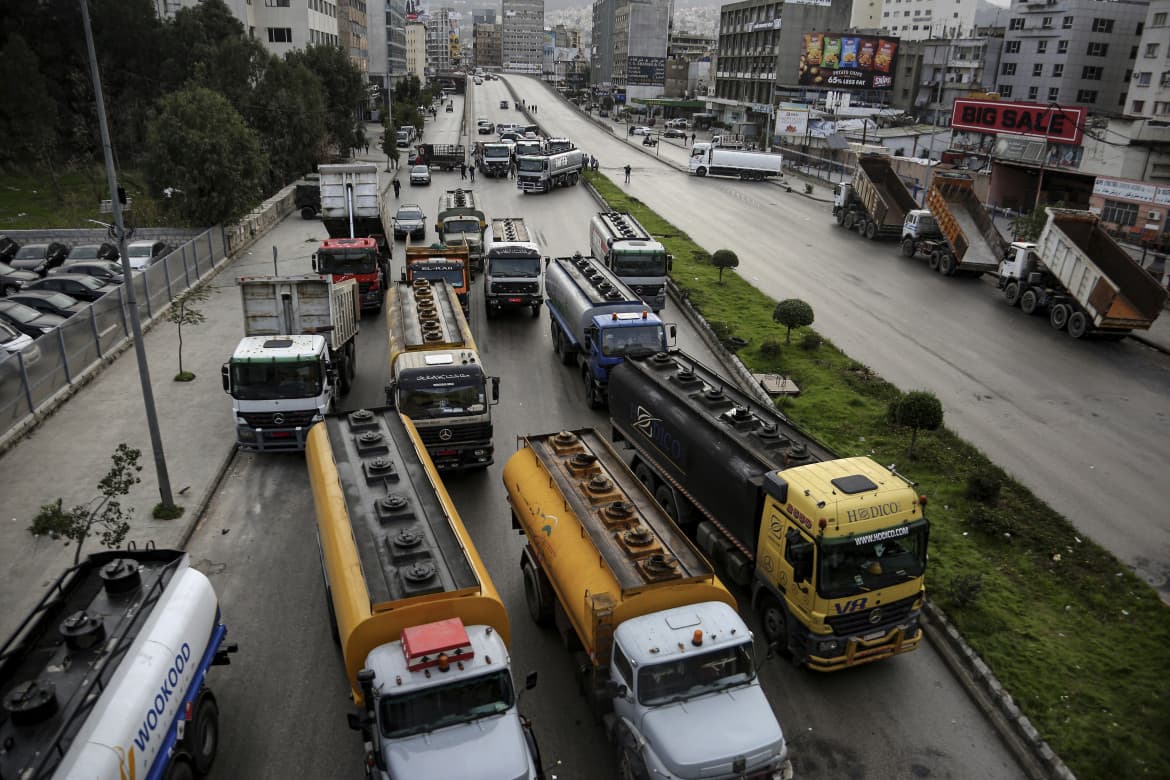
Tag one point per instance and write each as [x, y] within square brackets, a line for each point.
[104, 512]
[344, 90]
[724, 258]
[792, 313]
[28, 116]
[185, 311]
[917, 410]
[1027, 227]
[201, 145]
[287, 112]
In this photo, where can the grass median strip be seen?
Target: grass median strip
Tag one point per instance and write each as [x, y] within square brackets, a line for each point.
[1081, 643]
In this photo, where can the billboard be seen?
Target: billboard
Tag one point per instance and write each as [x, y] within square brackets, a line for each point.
[791, 121]
[1055, 123]
[847, 61]
[645, 71]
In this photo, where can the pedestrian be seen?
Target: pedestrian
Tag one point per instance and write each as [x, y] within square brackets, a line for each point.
[397, 187]
[512, 169]
[462, 170]
[596, 163]
[692, 139]
[367, 147]
[627, 173]
[471, 170]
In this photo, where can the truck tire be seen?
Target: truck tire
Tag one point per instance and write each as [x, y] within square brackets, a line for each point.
[840, 216]
[946, 264]
[644, 473]
[630, 764]
[308, 212]
[1078, 325]
[343, 376]
[1058, 317]
[849, 221]
[1011, 293]
[203, 734]
[664, 495]
[179, 769]
[537, 594]
[907, 247]
[1029, 301]
[933, 261]
[592, 399]
[871, 231]
[535, 310]
[568, 358]
[774, 622]
[701, 171]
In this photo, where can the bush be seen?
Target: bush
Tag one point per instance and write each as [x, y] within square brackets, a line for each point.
[770, 349]
[811, 341]
[792, 313]
[721, 329]
[701, 256]
[916, 410]
[984, 488]
[965, 589]
[988, 521]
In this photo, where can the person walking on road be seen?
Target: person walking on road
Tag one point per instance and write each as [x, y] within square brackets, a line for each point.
[397, 187]
[471, 170]
[627, 169]
[462, 170]
[692, 139]
[512, 168]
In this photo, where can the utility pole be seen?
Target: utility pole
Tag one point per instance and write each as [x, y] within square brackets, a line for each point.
[1043, 156]
[160, 462]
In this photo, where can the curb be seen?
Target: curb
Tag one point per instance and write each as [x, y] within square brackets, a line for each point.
[204, 501]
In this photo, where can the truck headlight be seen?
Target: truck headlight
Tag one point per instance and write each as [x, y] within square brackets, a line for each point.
[828, 646]
[247, 434]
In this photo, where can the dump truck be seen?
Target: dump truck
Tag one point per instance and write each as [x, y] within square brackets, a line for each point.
[712, 159]
[596, 322]
[355, 216]
[107, 676]
[958, 238]
[664, 659]
[297, 357]
[543, 172]
[875, 202]
[307, 196]
[513, 276]
[437, 379]
[832, 549]
[423, 633]
[461, 219]
[1087, 283]
[444, 156]
[619, 241]
[440, 262]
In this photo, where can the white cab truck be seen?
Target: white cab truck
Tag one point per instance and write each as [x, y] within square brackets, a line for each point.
[1085, 281]
[543, 172]
[297, 357]
[955, 234]
[494, 159]
[711, 159]
[875, 203]
[106, 679]
[596, 321]
[664, 660]
[513, 275]
[625, 247]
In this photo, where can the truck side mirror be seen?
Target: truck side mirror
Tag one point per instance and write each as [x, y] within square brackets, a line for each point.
[530, 681]
[669, 263]
[314, 261]
[225, 373]
[391, 390]
[495, 390]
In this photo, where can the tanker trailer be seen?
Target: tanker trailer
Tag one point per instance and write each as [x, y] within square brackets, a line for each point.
[422, 630]
[833, 549]
[667, 663]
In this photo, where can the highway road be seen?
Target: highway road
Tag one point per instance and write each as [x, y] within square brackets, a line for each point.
[284, 697]
[1084, 424]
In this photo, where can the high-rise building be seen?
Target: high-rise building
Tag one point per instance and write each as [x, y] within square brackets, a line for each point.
[522, 36]
[1075, 53]
[488, 51]
[641, 30]
[484, 16]
[920, 19]
[416, 50]
[395, 40]
[352, 32]
[954, 69]
[601, 46]
[440, 31]
[1149, 87]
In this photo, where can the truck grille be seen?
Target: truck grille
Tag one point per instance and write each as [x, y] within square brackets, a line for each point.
[288, 419]
[860, 622]
[366, 287]
[647, 290]
[459, 434]
[514, 288]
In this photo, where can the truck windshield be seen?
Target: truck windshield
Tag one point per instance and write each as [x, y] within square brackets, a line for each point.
[497, 152]
[637, 341]
[461, 701]
[266, 380]
[346, 261]
[442, 393]
[439, 273]
[531, 164]
[696, 674]
[461, 226]
[527, 267]
[640, 263]
[871, 561]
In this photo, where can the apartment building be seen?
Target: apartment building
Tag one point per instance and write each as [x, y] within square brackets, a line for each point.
[352, 33]
[522, 36]
[1149, 86]
[488, 45]
[416, 50]
[915, 20]
[641, 30]
[601, 45]
[954, 69]
[440, 30]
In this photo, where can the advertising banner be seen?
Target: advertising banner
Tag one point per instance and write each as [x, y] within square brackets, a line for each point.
[645, 71]
[1131, 190]
[791, 121]
[847, 61]
[1055, 123]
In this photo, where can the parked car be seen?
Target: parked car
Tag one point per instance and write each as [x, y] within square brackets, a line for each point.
[13, 341]
[48, 302]
[640, 130]
[420, 174]
[450, 108]
[8, 248]
[80, 286]
[144, 254]
[40, 258]
[106, 270]
[12, 280]
[680, 124]
[410, 221]
[604, 113]
[102, 251]
[503, 104]
[511, 135]
[27, 319]
[484, 127]
[674, 132]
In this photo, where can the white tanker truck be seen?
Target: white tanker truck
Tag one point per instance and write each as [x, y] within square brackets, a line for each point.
[105, 678]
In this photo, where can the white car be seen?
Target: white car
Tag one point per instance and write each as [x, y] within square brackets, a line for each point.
[144, 254]
[643, 131]
[680, 124]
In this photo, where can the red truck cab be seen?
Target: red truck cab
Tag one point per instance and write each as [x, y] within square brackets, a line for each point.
[356, 258]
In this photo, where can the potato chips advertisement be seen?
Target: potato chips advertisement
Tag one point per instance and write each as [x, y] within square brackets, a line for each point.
[847, 61]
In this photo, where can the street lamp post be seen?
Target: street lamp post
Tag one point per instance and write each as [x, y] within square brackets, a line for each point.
[1044, 155]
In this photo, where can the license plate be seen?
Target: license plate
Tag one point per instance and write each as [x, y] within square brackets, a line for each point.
[446, 452]
[514, 300]
[874, 635]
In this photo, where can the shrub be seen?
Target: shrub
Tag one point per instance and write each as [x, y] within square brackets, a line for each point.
[792, 313]
[810, 341]
[916, 410]
[984, 488]
[770, 349]
[965, 589]
[721, 329]
[724, 258]
[988, 521]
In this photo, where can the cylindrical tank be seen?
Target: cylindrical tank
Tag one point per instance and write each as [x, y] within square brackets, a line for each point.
[580, 288]
[600, 559]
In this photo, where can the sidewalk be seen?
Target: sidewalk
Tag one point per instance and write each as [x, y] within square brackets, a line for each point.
[69, 453]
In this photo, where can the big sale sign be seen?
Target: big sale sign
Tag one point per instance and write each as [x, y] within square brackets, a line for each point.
[1056, 123]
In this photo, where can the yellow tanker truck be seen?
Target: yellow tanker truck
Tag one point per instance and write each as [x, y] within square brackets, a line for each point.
[668, 665]
[422, 630]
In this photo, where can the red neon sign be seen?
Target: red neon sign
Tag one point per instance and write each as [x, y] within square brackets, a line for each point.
[1062, 124]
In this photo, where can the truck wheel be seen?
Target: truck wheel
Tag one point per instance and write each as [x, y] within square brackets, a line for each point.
[907, 247]
[1058, 317]
[308, 212]
[841, 216]
[537, 594]
[343, 377]
[1078, 325]
[535, 310]
[1029, 301]
[871, 231]
[203, 736]
[946, 264]
[1011, 293]
[774, 620]
[850, 220]
[179, 770]
[664, 495]
[592, 400]
[701, 171]
[630, 764]
[933, 261]
[644, 473]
